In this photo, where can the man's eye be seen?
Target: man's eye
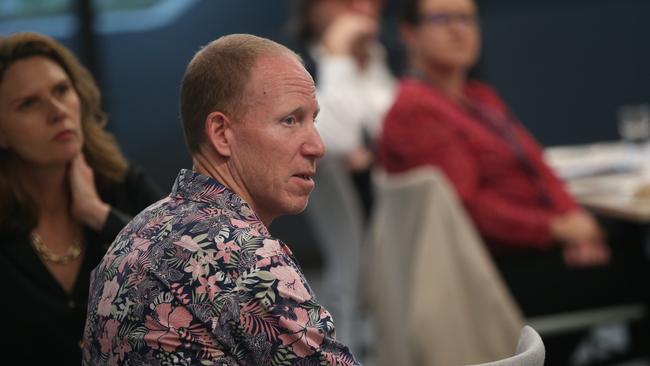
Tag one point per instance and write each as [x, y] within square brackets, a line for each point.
[291, 120]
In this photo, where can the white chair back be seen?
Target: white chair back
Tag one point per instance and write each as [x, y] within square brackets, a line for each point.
[530, 351]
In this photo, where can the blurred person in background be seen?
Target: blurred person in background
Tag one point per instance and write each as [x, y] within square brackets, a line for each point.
[66, 190]
[552, 254]
[339, 41]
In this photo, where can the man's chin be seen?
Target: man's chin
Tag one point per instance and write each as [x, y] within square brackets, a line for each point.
[296, 207]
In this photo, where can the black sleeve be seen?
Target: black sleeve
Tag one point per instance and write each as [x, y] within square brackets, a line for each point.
[127, 199]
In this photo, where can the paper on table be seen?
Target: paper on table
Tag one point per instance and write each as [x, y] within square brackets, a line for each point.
[573, 162]
[620, 185]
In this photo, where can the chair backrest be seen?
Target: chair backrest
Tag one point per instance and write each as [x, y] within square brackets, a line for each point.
[530, 351]
[437, 296]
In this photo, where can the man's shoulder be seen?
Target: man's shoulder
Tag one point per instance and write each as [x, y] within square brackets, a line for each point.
[230, 239]
[160, 221]
[203, 267]
[223, 241]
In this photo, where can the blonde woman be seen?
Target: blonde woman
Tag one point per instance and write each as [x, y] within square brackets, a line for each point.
[66, 190]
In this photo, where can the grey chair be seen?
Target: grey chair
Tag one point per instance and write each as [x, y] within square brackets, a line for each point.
[530, 351]
[433, 289]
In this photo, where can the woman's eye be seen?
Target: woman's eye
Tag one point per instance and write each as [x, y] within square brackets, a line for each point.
[61, 89]
[26, 103]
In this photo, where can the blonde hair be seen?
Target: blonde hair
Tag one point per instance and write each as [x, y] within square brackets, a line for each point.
[216, 78]
[17, 208]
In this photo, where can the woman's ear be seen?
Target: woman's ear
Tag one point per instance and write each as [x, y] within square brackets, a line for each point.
[217, 135]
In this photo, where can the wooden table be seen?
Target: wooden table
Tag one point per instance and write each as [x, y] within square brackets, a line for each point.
[636, 210]
[606, 178]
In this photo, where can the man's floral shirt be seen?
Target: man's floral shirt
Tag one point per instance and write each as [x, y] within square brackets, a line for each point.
[196, 279]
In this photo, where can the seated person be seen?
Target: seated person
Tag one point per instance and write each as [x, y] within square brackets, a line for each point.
[197, 278]
[339, 41]
[65, 192]
[553, 254]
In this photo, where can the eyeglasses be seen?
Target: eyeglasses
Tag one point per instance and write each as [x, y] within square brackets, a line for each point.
[446, 19]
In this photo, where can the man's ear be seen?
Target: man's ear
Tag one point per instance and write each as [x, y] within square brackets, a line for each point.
[217, 132]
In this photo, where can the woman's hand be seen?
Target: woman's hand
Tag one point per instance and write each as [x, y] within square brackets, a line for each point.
[586, 254]
[87, 206]
[358, 160]
[349, 34]
[583, 240]
[575, 227]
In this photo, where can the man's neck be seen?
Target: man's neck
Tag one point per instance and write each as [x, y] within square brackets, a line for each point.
[217, 168]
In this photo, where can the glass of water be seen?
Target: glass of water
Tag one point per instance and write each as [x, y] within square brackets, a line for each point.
[634, 122]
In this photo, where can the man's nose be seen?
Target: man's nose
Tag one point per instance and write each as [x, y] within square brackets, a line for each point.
[313, 146]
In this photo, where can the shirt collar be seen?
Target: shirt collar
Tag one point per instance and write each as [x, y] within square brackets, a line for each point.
[193, 186]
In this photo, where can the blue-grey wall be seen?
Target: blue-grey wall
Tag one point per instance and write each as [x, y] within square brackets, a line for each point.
[565, 66]
[142, 72]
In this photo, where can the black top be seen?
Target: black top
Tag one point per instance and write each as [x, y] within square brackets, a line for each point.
[44, 324]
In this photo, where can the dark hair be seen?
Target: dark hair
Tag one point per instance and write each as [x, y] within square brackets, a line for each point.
[17, 207]
[409, 12]
[216, 78]
[298, 25]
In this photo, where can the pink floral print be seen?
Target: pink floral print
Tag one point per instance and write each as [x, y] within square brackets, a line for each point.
[108, 295]
[290, 284]
[163, 329]
[303, 337]
[225, 250]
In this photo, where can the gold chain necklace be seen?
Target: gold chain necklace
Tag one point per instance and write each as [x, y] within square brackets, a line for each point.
[46, 254]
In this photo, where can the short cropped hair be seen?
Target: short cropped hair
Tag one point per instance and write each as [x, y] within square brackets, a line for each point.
[216, 79]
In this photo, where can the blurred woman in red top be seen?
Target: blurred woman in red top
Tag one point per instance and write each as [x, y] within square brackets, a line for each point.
[547, 247]
[463, 127]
